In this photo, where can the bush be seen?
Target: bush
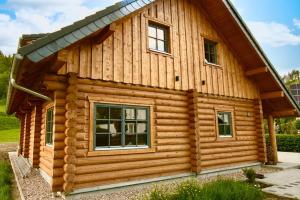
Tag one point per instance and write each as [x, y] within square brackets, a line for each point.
[286, 142]
[216, 190]
[5, 181]
[250, 174]
[297, 124]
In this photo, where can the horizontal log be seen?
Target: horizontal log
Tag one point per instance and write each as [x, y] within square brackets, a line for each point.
[130, 165]
[272, 95]
[171, 103]
[256, 71]
[128, 173]
[175, 134]
[171, 109]
[54, 77]
[54, 85]
[172, 128]
[172, 116]
[226, 144]
[228, 155]
[173, 141]
[129, 92]
[227, 149]
[228, 161]
[130, 158]
[172, 121]
[168, 148]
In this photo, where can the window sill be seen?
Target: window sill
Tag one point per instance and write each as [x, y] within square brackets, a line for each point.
[120, 151]
[226, 138]
[160, 53]
[212, 64]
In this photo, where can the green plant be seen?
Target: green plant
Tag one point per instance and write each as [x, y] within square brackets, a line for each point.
[297, 124]
[220, 189]
[287, 142]
[250, 174]
[5, 181]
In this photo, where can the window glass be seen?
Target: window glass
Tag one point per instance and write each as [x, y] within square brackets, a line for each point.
[158, 37]
[225, 123]
[49, 126]
[210, 49]
[118, 126]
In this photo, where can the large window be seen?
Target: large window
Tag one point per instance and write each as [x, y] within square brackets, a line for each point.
[158, 37]
[225, 124]
[210, 48]
[120, 126]
[49, 127]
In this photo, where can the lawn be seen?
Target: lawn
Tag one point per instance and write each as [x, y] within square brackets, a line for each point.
[11, 135]
[5, 180]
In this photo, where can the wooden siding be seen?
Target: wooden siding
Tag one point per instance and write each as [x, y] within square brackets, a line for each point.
[243, 147]
[124, 57]
[170, 125]
[35, 129]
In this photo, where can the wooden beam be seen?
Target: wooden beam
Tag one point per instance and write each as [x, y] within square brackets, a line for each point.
[104, 34]
[284, 113]
[272, 95]
[274, 156]
[256, 71]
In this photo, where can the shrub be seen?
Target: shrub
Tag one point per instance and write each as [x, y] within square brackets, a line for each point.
[250, 174]
[230, 190]
[5, 181]
[286, 142]
[216, 190]
[297, 124]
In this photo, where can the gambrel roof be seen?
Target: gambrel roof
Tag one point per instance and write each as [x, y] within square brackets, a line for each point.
[223, 15]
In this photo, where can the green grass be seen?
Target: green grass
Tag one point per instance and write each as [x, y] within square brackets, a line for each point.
[7, 122]
[5, 181]
[11, 135]
[221, 189]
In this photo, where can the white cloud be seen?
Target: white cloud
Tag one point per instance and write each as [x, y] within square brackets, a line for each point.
[40, 16]
[274, 34]
[297, 22]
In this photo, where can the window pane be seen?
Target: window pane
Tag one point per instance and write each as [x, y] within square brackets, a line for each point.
[161, 46]
[102, 112]
[142, 139]
[102, 126]
[152, 31]
[49, 126]
[220, 118]
[115, 126]
[130, 127]
[160, 34]
[152, 44]
[130, 139]
[115, 113]
[129, 113]
[142, 128]
[226, 118]
[227, 130]
[141, 114]
[102, 140]
[115, 139]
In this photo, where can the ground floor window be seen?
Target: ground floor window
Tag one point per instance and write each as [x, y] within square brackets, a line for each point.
[49, 127]
[121, 126]
[225, 124]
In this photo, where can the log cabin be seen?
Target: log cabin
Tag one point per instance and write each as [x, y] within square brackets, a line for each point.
[145, 90]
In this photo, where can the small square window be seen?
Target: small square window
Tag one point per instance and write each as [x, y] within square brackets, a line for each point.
[158, 37]
[211, 54]
[225, 124]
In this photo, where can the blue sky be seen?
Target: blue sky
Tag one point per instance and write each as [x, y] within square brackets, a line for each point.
[275, 24]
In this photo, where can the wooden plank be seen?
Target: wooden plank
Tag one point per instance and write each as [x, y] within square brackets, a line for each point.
[118, 53]
[97, 61]
[145, 60]
[256, 71]
[272, 95]
[127, 48]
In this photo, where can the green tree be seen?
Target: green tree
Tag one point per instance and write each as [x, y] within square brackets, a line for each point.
[5, 65]
[292, 78]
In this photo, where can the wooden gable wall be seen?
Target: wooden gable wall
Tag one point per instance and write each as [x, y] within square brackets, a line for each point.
[124, 56]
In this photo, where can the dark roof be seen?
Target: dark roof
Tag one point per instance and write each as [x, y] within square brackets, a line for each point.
[53, 42]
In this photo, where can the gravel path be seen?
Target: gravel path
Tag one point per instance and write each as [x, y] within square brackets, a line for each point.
[35, 187]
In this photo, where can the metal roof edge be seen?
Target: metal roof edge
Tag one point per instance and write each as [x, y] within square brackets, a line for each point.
[53, 42]
[260, 51]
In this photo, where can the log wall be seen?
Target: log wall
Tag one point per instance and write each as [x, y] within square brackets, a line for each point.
[124, 56]
[26, 138]
[171, 154]
[243, 147]
[35, 131]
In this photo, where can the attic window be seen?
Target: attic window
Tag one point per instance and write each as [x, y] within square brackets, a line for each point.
[211, 54]
[158, 37]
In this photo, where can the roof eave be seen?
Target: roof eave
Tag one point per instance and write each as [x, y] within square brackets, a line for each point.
[260, 52]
